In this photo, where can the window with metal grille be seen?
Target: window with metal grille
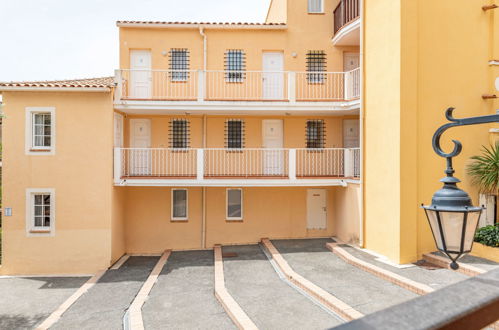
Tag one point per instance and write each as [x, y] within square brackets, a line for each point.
[179, 134]
[316, 63]
[41, 211]
[315, 134]
[234, 134]
[179, 64]
[42, 130]
[315, 6]
[235, 65]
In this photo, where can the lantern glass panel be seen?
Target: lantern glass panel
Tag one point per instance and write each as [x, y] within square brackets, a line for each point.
[452, 227]
[432, 217]
[470, 229]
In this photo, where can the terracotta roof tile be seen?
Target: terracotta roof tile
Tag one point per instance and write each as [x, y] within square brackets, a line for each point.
[102, 82]
[201, 23]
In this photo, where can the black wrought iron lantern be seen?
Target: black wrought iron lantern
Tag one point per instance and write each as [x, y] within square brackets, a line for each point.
[452, 217]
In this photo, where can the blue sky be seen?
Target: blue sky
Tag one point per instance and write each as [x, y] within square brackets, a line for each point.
[64, 39]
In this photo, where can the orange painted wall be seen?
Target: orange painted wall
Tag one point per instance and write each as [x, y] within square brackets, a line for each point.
[81, 174]
[347, 211]
[267, 212]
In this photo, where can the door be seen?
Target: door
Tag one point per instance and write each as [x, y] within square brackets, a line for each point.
[351, 61]
[118, 130]
[351, 133]
[273, 160]
[140, 74]
[273, 76]
[316, 209]
[139, 157]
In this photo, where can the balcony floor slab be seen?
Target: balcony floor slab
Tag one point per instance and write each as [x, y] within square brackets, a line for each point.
[147, 182]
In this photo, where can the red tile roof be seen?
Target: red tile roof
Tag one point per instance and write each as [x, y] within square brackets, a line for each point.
[200, 23]
[102, 82]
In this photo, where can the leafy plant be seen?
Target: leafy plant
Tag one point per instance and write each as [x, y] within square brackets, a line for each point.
[484, 170]
[488, 235]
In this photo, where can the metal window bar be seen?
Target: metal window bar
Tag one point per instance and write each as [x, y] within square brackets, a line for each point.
[234, 134]
[235, 65]
[315, 134]
[179, 64]
[179, 134]
[316, 64]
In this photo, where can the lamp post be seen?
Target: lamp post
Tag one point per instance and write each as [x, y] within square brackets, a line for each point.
[452, 217]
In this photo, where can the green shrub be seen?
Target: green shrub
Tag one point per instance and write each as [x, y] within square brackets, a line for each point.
[488, 235]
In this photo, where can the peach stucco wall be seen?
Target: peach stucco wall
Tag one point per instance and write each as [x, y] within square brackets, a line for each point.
[293, 126]
[267, 212]
[347, 210]
[81, 174]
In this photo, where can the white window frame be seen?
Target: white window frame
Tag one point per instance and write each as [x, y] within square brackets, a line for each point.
[31, 230]
[30, 149]
[321, 11]
[186, 205]
[227, 205]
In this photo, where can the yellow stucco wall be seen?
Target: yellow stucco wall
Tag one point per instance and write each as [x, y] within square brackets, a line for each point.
[419, 61]
[304, 32]
[267, 212]
[293, 136]
[347, 210]
[81, 174]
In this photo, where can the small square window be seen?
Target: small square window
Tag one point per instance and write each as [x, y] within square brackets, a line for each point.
[179, 204]
[179, 134]
[179, 65]
[315, 6]
[235, 64]
[316, 64]
[40, 215]
[40, 131]
[234, 134]
[234, 204]
[315, 134]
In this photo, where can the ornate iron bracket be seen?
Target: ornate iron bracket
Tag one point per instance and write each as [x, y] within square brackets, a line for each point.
[457, 145]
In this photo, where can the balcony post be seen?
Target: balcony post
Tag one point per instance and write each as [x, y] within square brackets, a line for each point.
[201, 85]
[292, 164]
[200, 164]
[117, 165]
[292, 86]
[348, 166]
[118, 92]
[347, 88]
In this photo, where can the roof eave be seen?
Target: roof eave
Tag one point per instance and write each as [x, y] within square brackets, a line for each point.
[205, 26]
[54, 89]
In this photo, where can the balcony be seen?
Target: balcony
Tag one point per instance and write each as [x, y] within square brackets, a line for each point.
[241, 167]
[250, 88]
[347, 23]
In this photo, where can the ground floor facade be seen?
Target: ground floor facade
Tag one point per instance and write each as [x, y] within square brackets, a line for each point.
[150, 220]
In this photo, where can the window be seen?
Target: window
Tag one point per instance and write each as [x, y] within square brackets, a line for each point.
[40, 209]
[315, 134]
[235, 204]
[234, 134]
[179, 204]
[179, 64]
[179, 134]
[316, 63]
[235, 64]
[315, 6]
[40, 131]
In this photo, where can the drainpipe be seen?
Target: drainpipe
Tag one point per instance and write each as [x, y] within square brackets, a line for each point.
[203, 225]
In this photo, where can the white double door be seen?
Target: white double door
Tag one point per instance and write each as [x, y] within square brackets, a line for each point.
[273, 159]
[139, 157]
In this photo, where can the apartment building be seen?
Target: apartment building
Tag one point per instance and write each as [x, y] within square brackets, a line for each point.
[209, 133]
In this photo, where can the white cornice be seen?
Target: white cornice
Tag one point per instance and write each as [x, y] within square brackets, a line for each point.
[53, 89]
[204, 26]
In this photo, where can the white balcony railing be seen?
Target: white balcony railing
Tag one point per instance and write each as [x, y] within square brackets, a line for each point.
[222, 85]
[247, 163]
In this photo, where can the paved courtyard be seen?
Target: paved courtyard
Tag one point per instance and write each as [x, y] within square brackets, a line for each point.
[183, 297]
